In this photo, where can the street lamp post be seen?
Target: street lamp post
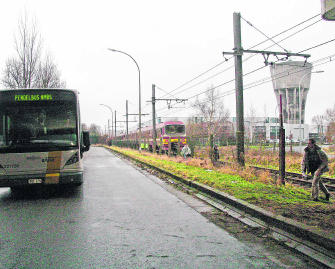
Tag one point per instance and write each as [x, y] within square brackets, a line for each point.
[139, 91]
[300, 103]
[111, 112]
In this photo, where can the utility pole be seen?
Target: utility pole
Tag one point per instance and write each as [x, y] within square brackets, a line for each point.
[154, 134]
[153, 101]
[110, 109]
[115, 124]
[281, 144]
[238, 52]
[239, 88]
[127, 118]
[109, 130]
[127, 121]
[168, 100]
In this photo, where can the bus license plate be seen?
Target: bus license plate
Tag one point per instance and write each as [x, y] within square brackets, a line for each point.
[34, 180]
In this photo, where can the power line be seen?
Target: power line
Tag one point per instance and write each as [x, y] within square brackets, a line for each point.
[248, 58]
[268, 38]
[289, 29]
[321, 44]
[268, 79]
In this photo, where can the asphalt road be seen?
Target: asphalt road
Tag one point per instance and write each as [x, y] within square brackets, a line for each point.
[119, 218]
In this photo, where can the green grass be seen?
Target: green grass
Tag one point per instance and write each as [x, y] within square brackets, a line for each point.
[231, 184]
[287, 200]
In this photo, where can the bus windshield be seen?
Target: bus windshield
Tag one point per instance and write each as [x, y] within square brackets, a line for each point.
[38, 126]
[175, 129]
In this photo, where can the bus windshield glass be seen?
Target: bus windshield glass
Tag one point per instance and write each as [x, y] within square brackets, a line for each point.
[37, 125]
[175, 129]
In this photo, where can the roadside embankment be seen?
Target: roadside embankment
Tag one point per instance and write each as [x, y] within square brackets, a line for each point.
[286, 207]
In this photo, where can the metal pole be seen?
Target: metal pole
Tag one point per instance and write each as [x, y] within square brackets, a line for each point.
[127, 117]
[281, 144]
[139, 92]
[239, 88]
[139, 103]
[109, 129]
[115, 123]
[112, 122]
[300, 144]
[111, 112]
[154, 135]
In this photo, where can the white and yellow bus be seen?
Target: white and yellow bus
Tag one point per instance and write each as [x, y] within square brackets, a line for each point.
[41, 141]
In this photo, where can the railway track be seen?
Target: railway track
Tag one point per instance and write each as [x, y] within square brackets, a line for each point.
[295, 177]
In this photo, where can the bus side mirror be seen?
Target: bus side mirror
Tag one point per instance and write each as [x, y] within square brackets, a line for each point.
[86, 141]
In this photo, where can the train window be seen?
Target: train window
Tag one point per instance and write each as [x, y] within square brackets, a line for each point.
[175, 129]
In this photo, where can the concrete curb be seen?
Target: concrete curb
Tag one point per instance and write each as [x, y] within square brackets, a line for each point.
[298, 229]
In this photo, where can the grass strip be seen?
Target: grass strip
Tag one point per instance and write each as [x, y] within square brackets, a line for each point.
[289, 201]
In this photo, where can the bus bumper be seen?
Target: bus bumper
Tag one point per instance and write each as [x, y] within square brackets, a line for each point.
[39, 179]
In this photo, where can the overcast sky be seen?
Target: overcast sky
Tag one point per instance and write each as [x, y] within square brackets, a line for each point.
[173, 42]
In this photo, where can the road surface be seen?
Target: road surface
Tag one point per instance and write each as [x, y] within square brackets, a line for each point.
[119, 218]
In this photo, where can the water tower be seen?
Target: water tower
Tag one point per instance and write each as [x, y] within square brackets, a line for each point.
[291, 80]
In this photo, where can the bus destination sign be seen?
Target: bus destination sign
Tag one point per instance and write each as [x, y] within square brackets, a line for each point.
[32, 97]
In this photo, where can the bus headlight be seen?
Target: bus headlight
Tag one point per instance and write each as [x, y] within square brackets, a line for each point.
[73, 159]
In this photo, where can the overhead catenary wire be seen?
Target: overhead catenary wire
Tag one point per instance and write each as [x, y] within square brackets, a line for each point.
[248, 58]
[271, 38]
[319, 45]
[255, 70]
[251, 86]
[319, 62]
[268, 38]
[203, 73]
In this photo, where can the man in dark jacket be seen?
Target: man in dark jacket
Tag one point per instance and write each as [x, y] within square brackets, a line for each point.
[315, 161]
[216, 154]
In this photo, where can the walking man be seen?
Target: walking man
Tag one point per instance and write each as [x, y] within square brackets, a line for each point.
[315, 161]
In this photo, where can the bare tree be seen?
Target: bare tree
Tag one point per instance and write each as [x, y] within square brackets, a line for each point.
[330, 114]
[12, 75]
[330, 118]
[319, 120]
[212, 110]
[27, 69]
[95, 129]
[251, 115]
[48, 76]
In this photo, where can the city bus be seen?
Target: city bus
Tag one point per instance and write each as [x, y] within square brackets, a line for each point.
[41, 140]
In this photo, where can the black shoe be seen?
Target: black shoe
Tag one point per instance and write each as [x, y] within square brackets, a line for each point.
[316, 200]
[327, 196]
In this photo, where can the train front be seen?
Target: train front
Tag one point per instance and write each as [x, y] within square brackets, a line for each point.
[174, 133]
